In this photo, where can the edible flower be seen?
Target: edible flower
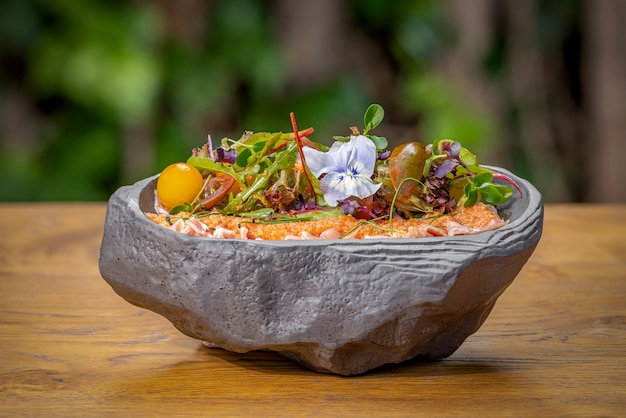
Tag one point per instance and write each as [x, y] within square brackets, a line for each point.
[347, 168]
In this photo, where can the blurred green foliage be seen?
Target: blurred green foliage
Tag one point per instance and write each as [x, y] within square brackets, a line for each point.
[80, 78]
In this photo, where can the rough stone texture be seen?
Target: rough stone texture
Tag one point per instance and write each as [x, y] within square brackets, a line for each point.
[341, 307]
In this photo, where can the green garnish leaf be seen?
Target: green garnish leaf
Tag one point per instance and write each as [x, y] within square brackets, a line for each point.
[467, 157]
[482, 178]
[505, 192]
[482, 187]
[259, 213]
[242, 157]
[471, 195]
[185, 207]
[373, 117]
[268, 216]
[285, 159]
[214, 166]
[255, 148]
[489, 194]
[380, 142]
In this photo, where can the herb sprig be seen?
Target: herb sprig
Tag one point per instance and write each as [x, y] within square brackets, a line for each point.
[371, 119]
[449, 159]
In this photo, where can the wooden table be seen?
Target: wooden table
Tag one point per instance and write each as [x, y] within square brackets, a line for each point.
[555, 344]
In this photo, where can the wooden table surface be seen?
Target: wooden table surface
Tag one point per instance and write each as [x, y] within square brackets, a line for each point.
[554, 345]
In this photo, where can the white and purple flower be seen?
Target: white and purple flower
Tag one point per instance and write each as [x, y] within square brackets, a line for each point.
[348, 169]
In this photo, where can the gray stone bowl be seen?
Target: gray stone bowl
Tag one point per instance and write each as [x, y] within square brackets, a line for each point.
[336, 306]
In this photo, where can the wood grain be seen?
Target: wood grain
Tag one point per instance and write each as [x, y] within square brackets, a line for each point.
[554, 345]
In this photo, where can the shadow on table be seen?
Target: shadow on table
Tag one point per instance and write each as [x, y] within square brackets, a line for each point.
[273, 363]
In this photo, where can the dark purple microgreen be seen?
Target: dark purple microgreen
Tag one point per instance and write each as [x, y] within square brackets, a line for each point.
[226, 155]
[299, 204]
[383, 155]
[347, 209]
[349, 206]
[445, 168]
[455, 150]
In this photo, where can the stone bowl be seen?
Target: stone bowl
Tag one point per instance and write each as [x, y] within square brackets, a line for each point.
[334, 306]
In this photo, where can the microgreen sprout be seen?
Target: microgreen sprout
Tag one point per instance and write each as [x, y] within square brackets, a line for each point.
[371, 119]
[395, 197]
[482, 187]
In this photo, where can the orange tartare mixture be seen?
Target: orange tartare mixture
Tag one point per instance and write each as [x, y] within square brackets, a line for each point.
[468, 220]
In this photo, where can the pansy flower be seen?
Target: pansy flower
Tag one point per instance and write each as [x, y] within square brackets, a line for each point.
[348, 169]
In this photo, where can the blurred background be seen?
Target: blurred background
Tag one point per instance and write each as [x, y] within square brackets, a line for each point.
[98, 94]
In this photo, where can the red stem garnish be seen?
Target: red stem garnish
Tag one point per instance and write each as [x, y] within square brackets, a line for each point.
[306, 132]
[303, 136]
[508, 180]
[294, 125]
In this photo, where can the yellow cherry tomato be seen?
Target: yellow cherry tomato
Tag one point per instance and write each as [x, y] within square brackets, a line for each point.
[177, 184]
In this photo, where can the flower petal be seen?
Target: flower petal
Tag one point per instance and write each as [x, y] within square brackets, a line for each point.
[360, 186]
[334, 188]
[363, 151]
[333, 160]
[359, 148]
[338, 186]
[348, 167]
[318, 162]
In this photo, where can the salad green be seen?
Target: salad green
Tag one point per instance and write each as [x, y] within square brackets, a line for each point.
[282, 177]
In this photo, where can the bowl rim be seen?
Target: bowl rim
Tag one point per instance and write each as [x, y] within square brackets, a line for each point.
[531, 213]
